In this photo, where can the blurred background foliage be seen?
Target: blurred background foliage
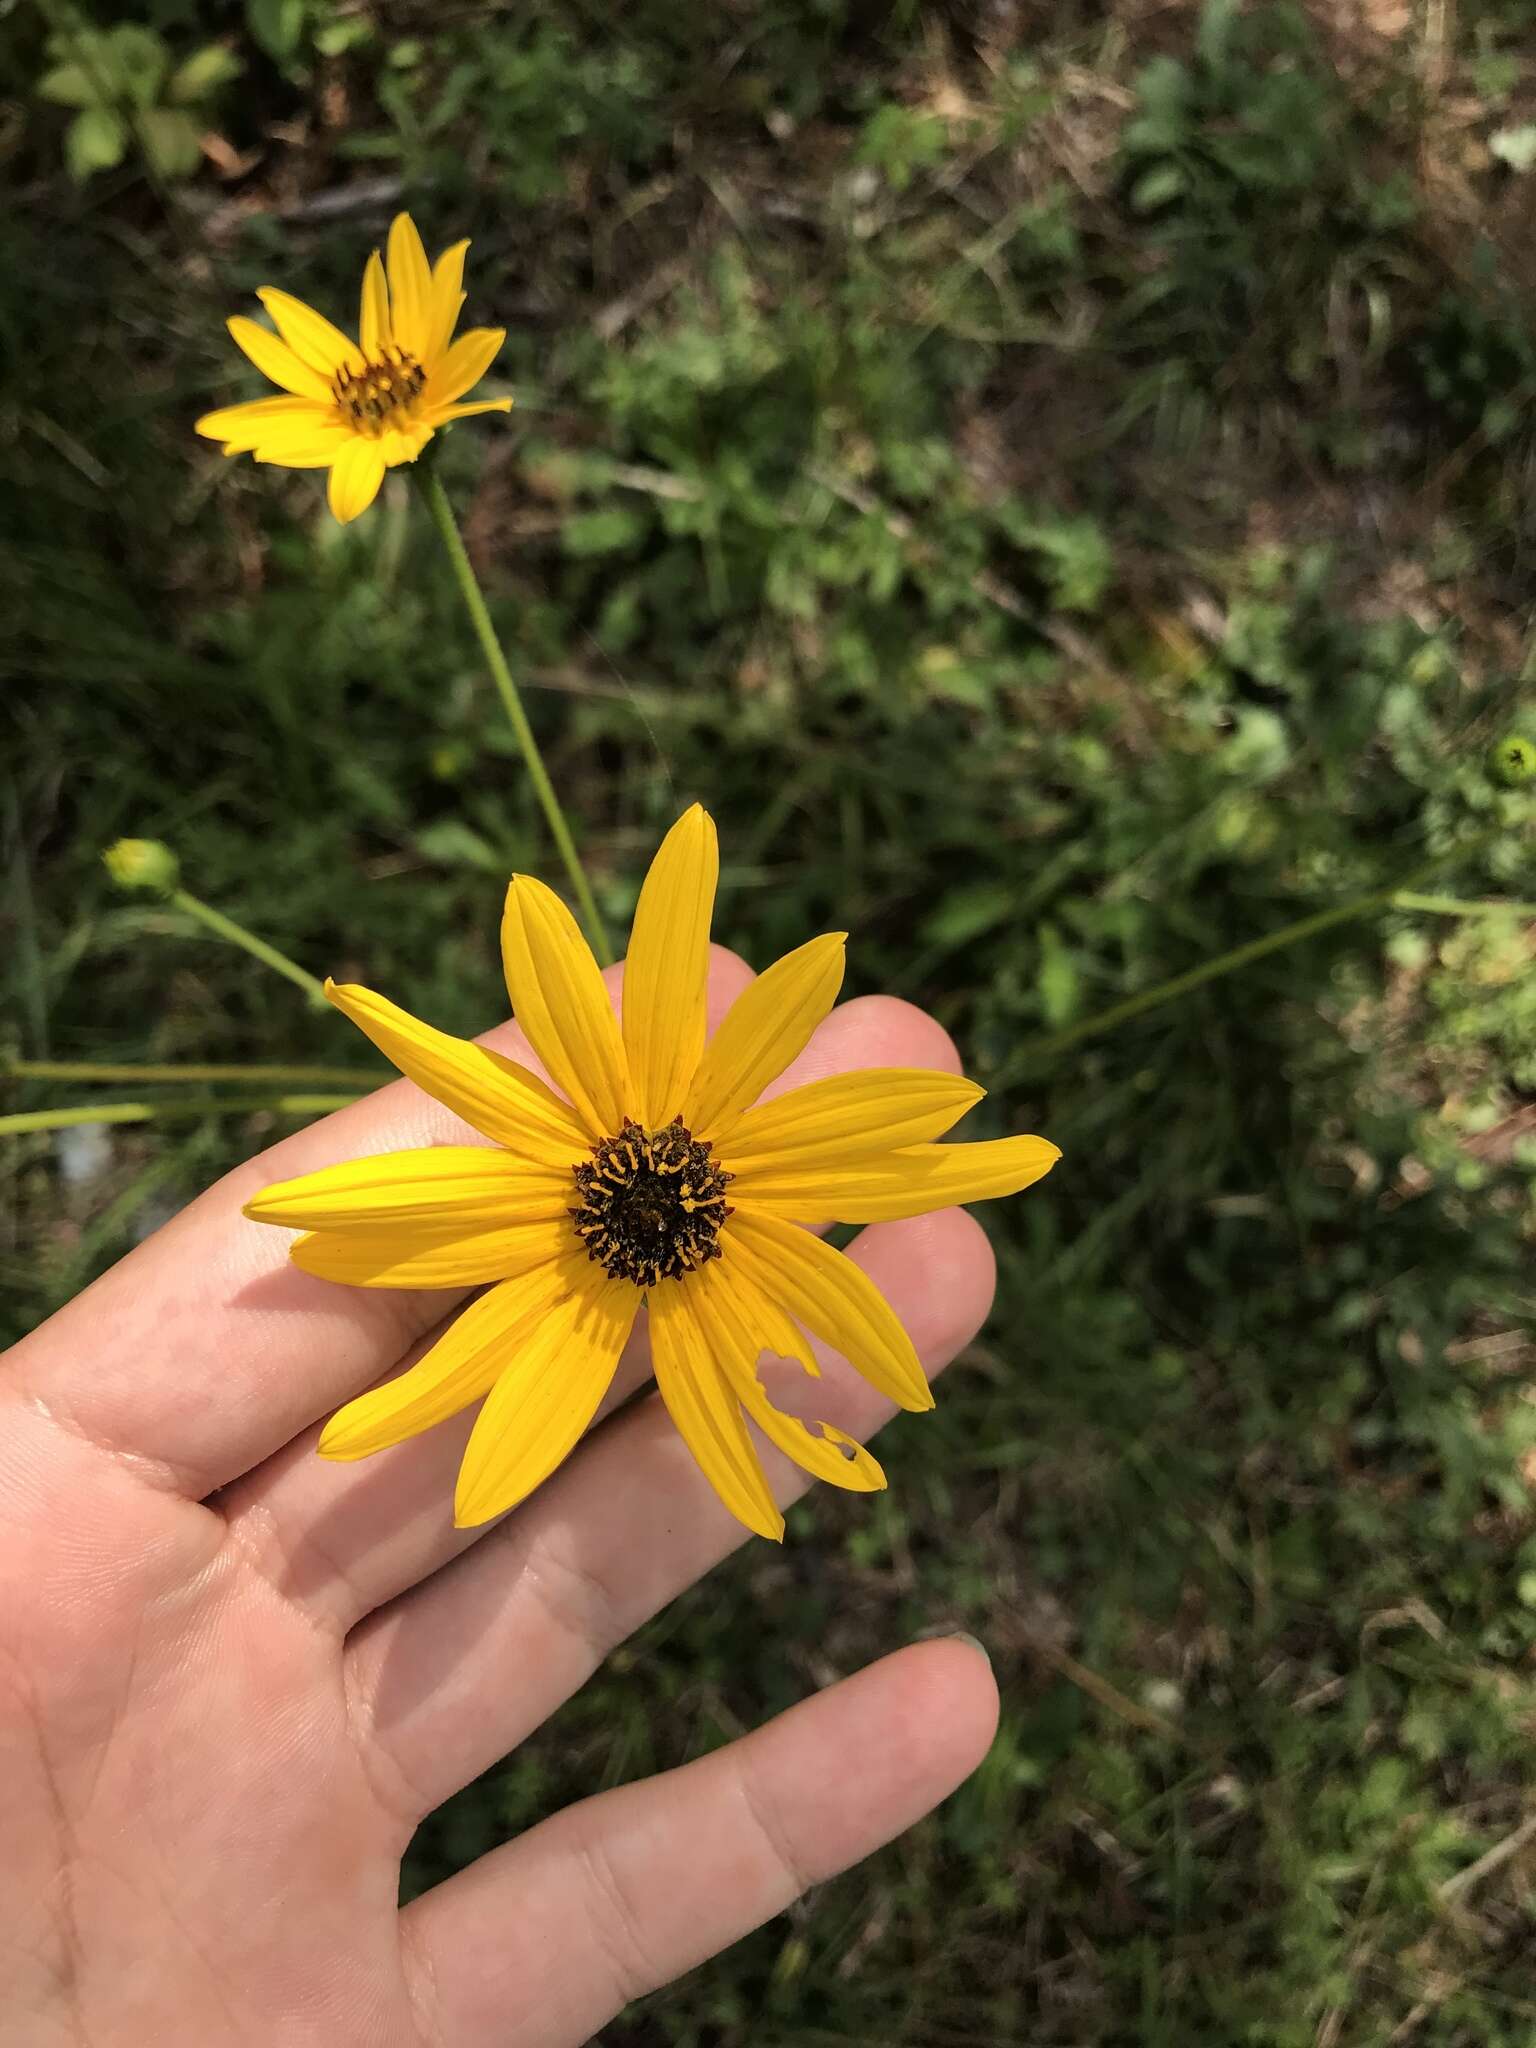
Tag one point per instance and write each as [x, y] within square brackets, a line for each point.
[1056, 479]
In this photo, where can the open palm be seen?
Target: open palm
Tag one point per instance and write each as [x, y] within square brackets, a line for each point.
[233, 1678]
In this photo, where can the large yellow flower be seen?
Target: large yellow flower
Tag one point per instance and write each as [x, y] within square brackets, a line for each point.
[644, 1175]
[360, 407]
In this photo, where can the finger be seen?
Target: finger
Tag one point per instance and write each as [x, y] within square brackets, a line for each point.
[459, 1671]
[546, 1939]
[205, 1350]
[343, 1539]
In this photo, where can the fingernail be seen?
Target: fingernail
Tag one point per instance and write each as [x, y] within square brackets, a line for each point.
[954, 1635]
[975, 1643]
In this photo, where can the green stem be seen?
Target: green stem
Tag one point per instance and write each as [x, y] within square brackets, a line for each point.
[94, 1071]
[436, 498]
[148, 1112]
[237, 935]
[1244, 956]
[1457, 906]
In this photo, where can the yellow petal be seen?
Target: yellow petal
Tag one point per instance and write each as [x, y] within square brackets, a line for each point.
[727, 1310]
[463, 365]
[404, 444]
[310, 335]
[374, 328]
[667, 972]
[355, 478]
[896, 1184]
[245, 426]
[559, 999]
[778, 1334]
[844, 1116]
[769, 1024]
[298, 451]
[303, 443]
[548, 1393]
[473, 1186]
[833, 1298]
[460, 1367]
[418, 1258]
[449, 413]
[493, 1094]
[276, 360]
[706, 1411]
[447, 302]
[410, 286]
[836, 1457]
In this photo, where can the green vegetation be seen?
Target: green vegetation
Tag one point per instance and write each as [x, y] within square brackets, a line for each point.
[1057, 482]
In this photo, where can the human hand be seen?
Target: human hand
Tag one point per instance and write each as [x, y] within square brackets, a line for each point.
[233, 1677]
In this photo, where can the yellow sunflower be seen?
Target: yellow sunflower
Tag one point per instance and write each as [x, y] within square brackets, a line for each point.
[360, 407]
[643, 1176]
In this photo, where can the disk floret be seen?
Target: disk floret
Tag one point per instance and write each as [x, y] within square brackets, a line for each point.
[652, 1203]
[374, 397]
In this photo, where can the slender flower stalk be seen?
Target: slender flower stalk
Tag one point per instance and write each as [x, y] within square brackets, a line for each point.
[149, 866]
[259, 949]
[1208, 970]
[1396, 895]
[644, 1173]
[173, 1107]
[1459, 906]
[436, 498]
[97, 1072]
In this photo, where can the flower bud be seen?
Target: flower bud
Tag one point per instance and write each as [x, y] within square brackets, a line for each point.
[142, 864]
[1512, 760]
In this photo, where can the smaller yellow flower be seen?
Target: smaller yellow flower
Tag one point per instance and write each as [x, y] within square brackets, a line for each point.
[359, 408]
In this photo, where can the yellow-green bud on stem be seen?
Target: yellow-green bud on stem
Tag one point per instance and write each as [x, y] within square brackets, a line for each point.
[1512, 760]
[142, 864]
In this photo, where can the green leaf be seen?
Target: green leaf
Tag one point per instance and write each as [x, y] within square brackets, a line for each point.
[203, 74]
[170, 141]
[1259, 748]
[901, 141]
[604, 530]
[137, 61]
[94, 141]
[277, 25]
[450, 843]
[1059, 982]
[1157, 187]
[1162, 117]
[964, 914]
[947, 677]
[1213, 38]
[68, 85]
[335, 38]
[1075, 556]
